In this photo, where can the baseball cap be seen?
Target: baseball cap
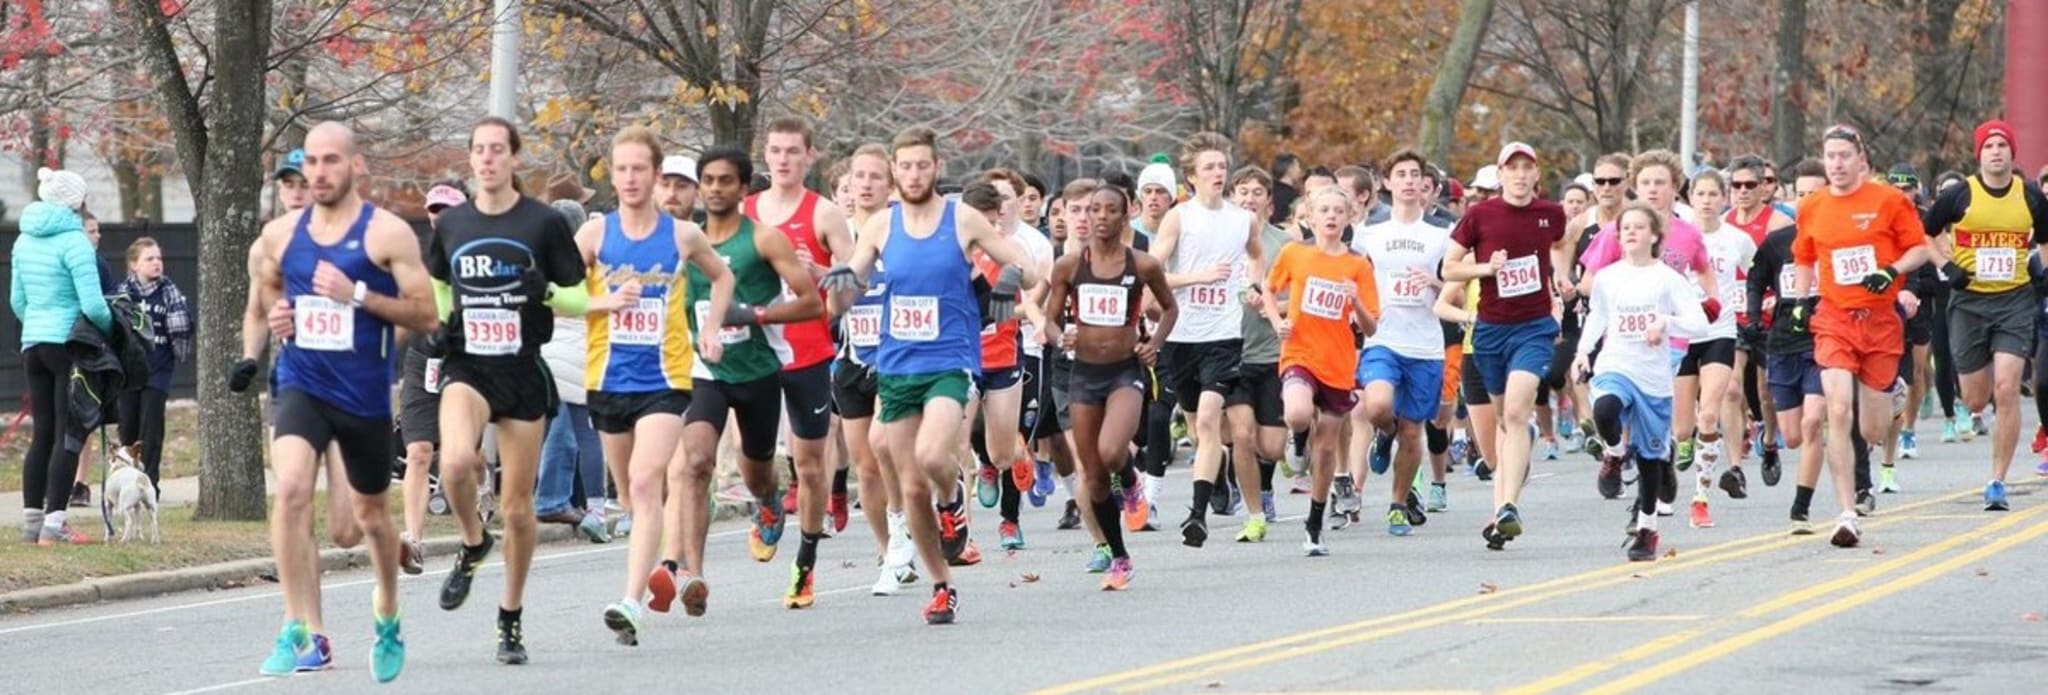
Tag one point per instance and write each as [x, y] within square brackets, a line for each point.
[1514, 148]
[1156, 174]
[444, 196]
[294, 163]
[678, 165]
[1488, 178]
[1585, 180]
[2000, 129]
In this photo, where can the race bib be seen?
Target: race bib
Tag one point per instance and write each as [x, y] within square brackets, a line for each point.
[864, 325]
[640, 324]
[1997, 265]
[490, 332]
[1518, 277]
[1325, 299]
[1408, 292]
[727, 335]
[1101, 305]
[914, 319]
[1852, 263]
[1211, 297]
[430, 379]
[1633, 322]
[319, 323]
[1738, 297]
[1787, 276]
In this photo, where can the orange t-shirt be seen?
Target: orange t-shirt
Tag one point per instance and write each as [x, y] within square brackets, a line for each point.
[1320, 287]
[998, 340]
[1850, 236]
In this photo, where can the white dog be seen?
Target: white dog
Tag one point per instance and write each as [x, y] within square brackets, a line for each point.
[129, 491]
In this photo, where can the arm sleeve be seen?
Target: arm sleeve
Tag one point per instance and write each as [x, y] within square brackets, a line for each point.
[1948, 208]
[1763, 271]
[444, 298]
[85, 280]
[570, 300]
[1688, 320]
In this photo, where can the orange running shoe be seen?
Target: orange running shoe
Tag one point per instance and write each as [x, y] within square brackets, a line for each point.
[661, 584]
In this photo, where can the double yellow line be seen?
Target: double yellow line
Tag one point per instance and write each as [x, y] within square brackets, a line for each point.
[1302, 644]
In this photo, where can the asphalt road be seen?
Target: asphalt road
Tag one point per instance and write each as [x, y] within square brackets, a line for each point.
[1942, 597]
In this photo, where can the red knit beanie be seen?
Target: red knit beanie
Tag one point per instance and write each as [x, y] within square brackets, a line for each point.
[2000, 129]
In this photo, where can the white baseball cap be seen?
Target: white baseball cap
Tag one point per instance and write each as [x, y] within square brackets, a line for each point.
[1513, 149]
[1488, 178]
[678, 165]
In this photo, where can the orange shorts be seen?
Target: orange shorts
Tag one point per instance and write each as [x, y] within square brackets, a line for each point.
[1454, 371]
[1867, 342]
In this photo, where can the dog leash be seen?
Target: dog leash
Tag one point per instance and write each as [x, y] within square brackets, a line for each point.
[106, 471]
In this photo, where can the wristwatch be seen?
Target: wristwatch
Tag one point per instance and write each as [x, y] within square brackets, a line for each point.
[362, 290]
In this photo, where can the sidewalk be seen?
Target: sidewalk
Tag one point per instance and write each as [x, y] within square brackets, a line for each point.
[177, 492]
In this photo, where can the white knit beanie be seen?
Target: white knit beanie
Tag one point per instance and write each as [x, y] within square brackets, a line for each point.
[61, 187]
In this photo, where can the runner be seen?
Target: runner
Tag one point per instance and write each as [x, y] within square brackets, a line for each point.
[817, 230]
[1000, 391]
[1096, 296]
[1211, 250]
[1792, 377]
[641, 353]
[1992, 309]
[1076, 200]
[1634, 308]
[743, 381]
[1719, 397]
[419, 398]
[929, 345]
[1869, 235]
[1157, 191]
[676, 190]
[1258, 423]
[1609, 182]
[1325, 288]
[502, 263]
[1522, 237]
[340, 276]
[1750, 186]
[1402, 367]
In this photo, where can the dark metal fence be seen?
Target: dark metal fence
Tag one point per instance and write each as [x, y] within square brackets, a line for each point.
[180, 244]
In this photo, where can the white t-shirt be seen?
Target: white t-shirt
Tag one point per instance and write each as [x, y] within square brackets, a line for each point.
[1626, 299]
[1213, 311]
[1040, 248]
[1732, 253]
[1407, 324]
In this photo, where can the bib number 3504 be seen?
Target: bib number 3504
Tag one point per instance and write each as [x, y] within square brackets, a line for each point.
[1518, 277]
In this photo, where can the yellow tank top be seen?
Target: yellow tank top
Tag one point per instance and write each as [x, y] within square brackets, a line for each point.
[1992, 238]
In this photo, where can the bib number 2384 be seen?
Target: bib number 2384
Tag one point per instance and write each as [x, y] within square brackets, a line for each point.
[490, 332]
[914, 319]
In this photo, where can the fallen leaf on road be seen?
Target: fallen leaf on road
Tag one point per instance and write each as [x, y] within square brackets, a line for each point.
[1488, 587]
[1639, 575]
[1013, 585]
[1214, 684]
[1671, 553]
[1877, 551]
[1030, 578]
[1981, 572]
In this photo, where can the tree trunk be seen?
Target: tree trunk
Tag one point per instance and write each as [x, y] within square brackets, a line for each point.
[128, 179]
[1440, 110]
[1788, 94]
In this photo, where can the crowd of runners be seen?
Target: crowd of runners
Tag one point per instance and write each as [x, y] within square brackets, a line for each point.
[1016, 344]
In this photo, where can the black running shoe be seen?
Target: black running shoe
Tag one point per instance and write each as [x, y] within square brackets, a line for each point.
[1482, 471]
[1609, 480]
[1219, 502]
[511, 649]
[1508, 522]
[1194, 531]
[1071, 519]
[1494, 539]
[1644, 548]
[455, 589]
[1413, 507]
[1735, 483]
[81, 495]
[1772, 470]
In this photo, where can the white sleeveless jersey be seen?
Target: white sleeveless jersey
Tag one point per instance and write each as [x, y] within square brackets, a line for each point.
[1407, 324]
[1732, 253]
[1213, 311]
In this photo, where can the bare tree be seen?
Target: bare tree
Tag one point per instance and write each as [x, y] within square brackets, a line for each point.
[1587, 65]
[1232, 57]
[1440, 112]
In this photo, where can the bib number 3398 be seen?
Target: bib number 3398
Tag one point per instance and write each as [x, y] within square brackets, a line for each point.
[490, 332]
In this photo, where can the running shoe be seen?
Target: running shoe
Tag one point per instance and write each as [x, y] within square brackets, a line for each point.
[1254, 531]
[988, 488]
[63, 535]
[1801, 526]
[81, 496]
[1979, 425]
[696, 595]
[455, 589]
[1663, 508]
[1013, 537]
[1099, 561]
[1412, 506]
[1994, 497]
[1119, 576]
[592, 528]
[1592, 443]
[1564, 427]
[2040, 439]
[1683, 459]
[1024, 474]
[623, 618]
[1152, 484]
[1046, 481]
[1866, 503]
[1508, 522]
[623, 526]
[1644, 546]
[387, 654]
[953, 532]
[292, 641]
[2041, 469]
[1347, 501]
[1382, 453]
[892, 580]
[1179, 432]
[1219, 500]
[1773, 470]
[661, 589]
[1038, 494]
[767, 532]
[1137, 514]
[1313, 547]
[1847, 535]
[790, 499]
[1439, 497]
[1609, 478]
[412, 554]
[945, 602]
[1341, 520]
[1458, 451]
[1948, 431]
[1888, 479]
[511, 648]
[800, 594]
[1071, 518]
[1495, 540]
[1194, 531]
[1235, 505]
[1397, 520]
[1701, 518]
[1272, 515]
[1299, 485]
[836, 509]
[1736, 483]
[1550, 448]
[1909, 445]
[1482, 471]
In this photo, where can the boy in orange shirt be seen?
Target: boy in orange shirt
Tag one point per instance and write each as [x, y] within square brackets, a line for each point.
[1326, 288]
[1859, 238]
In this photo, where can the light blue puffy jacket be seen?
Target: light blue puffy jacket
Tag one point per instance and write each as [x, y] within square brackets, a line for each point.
[56, 276]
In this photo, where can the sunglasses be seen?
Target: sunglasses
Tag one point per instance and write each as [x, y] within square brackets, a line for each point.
[1744, 185]
[1770, 180]
[1607, 182]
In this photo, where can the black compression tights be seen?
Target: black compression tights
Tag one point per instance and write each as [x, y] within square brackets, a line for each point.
[1656, 479]
[1607, 419]
[1158, 437]
[1944, 363]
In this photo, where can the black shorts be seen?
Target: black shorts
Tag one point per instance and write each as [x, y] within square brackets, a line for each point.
[1038, 418]
[807, 393]
[419, 409]
[365, 442]
[1559, 375]
[1092, 384]
[1920, 328]
[854, 388]
[1719, 351]
[1192, 368]
[513, 388]
[998, 379]
[1052, 418]
[1471, 384]
[616, 413]
[758, 403]
[1258, 386]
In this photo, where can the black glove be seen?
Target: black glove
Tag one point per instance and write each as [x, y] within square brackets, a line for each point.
[1002, 298]
[437, 344]
[1958, 278]
[1753, 335]
[739, 314]
[244, 372]
[1878, 282]
[839, 278]
[1801, 314]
